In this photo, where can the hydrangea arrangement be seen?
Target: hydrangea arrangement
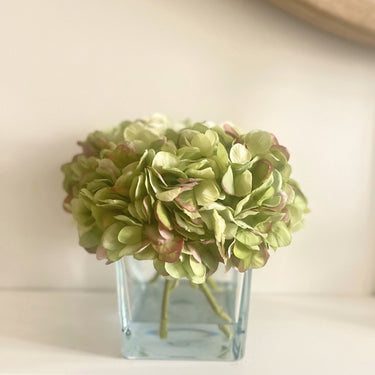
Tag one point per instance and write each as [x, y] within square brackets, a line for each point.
[187, 196]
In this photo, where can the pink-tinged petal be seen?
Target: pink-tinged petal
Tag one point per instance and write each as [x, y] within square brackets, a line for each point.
[285, 211]
[168, 247]
[120, 190]
[166, 234]
[101, 253]
[184, 181]
[274, 139]
[88, 150]
[188, 187]
[283, 149]
[206, 242]
[270, 168]
[194, 253]
[264, 250]
[284, 199]
[75, 157]
[66, 203]
[160, 177]
[170, 258]
[163, 245]
[262, 170]
[197, 221]
[143, 246]
[230, 131]
[186, 206]
[152, 233]
[127, 147]
[147, 209]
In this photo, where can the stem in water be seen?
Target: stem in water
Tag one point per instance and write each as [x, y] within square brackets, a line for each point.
[163, 331]
[212, 301]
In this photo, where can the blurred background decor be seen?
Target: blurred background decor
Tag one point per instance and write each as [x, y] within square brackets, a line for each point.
[352, 19]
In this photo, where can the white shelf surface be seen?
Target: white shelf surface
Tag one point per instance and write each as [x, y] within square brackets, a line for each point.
[77, 332]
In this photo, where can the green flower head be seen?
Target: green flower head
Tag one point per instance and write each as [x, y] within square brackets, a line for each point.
[187, 196]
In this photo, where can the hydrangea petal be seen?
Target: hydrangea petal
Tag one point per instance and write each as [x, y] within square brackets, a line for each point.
[228, 182]
[239, 154]
[206, 192]
[130, 235]
[279, 235]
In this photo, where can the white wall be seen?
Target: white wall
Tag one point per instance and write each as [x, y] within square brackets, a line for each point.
[72, 66]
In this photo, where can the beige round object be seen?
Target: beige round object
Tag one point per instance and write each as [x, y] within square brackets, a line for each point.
[351, 19]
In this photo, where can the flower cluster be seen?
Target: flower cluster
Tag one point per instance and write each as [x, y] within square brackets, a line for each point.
[187, 196]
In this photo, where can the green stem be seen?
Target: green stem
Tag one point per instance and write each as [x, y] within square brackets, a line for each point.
[212, 301]
[163, 332]
[226, 330]
[212, 284]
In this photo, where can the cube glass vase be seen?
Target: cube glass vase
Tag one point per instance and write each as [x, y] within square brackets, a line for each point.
[206, 322]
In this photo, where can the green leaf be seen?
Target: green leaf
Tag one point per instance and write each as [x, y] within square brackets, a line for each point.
[126, 220]
[277, 180]
[266, 195]
[228, 182]
[243, 184]
[206, 173]
[221, 158]
[258, 142]
[255, 259]
[168, 195]
[206, 192]
[138, 188]
[176, 270]
[209, 256]
[230, 230]
[279, 235]
[81, 211]
[239, 154]
[219, 228]
[273, 202]
[162, 215]
[212, 136]
[198, 268]
[242, 251]
[110, 237]
[140, 135]
[186, 200]
[248, 238]
[108, 169]
[164, 160]
[261, 170]
[160, 267]
[200, 276]
[130, 235]
[147, 254]
[132, 249]
[91, 238]
[241, 204]
[155, 182]
[189, 152]
[202, 142]
[108, 198]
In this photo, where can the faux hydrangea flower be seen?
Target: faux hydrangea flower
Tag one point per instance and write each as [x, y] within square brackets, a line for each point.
[187, 196]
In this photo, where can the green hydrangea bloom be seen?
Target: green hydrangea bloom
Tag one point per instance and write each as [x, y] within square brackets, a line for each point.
[187, 196]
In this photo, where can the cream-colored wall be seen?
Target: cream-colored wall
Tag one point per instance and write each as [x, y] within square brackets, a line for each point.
[72, 66]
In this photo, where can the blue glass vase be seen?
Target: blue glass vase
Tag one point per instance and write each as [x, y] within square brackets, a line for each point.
[196, 330]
